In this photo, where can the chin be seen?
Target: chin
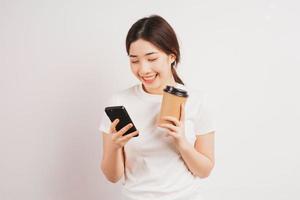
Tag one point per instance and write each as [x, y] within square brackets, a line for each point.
[155, 86]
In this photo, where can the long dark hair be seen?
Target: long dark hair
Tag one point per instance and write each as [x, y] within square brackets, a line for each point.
[158, 31]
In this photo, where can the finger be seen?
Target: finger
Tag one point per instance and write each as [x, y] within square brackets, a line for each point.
[129, 136]
[113, 125]
[124, 130]
[169, 126]
[173, 134]
[182, 112]
[172, 119]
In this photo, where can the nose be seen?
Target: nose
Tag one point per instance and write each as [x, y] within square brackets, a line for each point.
[145, 68]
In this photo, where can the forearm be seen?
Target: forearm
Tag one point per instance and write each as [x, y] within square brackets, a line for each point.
[199, 164]
[112, 164]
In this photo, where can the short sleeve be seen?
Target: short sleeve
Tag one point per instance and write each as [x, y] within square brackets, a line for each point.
[203, 120]
[104, 120]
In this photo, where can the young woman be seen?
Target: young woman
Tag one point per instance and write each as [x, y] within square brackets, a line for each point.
[165, 161]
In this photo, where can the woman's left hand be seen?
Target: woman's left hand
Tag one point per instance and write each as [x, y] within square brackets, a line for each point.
[177, 128]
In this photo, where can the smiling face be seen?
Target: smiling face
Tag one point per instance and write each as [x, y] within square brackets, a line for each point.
[151, 66]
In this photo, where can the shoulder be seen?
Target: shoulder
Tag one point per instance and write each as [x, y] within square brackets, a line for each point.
[126, 92]
[197, 103]
[196, 95]
[122, 94]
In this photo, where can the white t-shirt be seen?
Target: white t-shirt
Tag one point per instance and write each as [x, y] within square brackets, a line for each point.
[154, 168]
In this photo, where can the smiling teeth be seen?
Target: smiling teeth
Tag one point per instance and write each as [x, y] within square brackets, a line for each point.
[149, 78]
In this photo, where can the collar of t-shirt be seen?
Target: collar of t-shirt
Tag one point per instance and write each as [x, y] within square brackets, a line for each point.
[153, 97]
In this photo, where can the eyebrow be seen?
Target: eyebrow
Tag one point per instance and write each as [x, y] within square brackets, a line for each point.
[147, 54]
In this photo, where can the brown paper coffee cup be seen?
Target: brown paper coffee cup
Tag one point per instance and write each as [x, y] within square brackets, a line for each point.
[171, 102]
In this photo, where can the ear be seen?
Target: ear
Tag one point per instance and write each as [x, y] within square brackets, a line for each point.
[172, 58]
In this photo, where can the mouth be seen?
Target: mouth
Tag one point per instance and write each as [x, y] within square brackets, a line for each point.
[149, 79]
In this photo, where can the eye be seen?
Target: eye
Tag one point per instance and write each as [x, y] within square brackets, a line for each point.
[134, 61]
[151, 60]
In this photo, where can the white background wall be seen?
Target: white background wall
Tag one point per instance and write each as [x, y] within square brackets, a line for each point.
[59, 60]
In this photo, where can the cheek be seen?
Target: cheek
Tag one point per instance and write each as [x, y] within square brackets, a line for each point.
[162, 68]
[135, 71]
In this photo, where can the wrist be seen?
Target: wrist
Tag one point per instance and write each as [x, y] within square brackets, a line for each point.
[182, 144]
[116, 147]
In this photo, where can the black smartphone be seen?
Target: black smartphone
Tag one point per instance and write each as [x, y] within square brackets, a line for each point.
[119, 112]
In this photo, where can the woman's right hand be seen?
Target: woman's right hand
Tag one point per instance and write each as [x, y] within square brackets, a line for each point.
[117, 137]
